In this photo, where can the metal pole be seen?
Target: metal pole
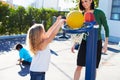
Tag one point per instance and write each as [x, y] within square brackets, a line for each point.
[91, 53]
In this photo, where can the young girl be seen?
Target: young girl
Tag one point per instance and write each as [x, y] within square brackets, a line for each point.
[88, 6]
[38, 41]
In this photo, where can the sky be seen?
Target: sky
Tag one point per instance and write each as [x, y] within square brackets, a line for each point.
[24, 3]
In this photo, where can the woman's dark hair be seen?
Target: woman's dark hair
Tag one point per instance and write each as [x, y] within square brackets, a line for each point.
[82, 8]
[18, 46]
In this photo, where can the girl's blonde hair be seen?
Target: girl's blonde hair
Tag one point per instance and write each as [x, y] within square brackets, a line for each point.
[34, 37]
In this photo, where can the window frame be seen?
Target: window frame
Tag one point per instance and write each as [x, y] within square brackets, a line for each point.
[115, 15]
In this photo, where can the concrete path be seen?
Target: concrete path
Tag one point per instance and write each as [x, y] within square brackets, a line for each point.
[62, 66]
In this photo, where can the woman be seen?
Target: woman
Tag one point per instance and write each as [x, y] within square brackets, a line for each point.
[88, 6]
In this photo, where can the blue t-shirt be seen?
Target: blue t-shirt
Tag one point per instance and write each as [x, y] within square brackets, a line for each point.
[24, 54]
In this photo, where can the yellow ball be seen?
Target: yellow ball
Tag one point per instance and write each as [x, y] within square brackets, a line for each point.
[75, 19]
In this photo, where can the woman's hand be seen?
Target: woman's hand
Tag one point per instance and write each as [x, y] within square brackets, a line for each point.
[72, 49]
[104, 49]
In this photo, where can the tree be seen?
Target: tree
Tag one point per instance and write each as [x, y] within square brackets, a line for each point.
[4, 13]
[12, 22]
[20, 18]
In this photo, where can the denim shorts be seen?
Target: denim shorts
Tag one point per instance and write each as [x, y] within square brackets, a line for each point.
[37, 75]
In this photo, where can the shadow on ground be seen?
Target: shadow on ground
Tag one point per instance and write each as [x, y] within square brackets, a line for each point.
[24, 70]
[7, 42]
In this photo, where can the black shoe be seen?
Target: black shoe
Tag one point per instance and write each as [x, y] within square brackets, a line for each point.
[104, 54]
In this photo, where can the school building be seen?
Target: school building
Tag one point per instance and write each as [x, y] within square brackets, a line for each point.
[112, 11]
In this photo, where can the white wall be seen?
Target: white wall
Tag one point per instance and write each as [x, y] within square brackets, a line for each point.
[114, 25]
[45, 4]
[60, 5]
[51, 4]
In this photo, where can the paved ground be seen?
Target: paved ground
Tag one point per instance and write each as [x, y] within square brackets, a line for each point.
[62, 66]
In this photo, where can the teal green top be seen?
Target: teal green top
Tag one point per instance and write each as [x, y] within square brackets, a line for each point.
[101, 21]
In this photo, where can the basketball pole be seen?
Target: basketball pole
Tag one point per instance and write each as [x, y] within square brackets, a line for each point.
[91, 45]
[91, 49]
[91, 53]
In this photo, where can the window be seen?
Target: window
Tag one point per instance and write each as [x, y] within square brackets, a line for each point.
[115, 12]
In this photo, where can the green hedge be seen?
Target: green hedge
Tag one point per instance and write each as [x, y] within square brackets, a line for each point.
[18, 20]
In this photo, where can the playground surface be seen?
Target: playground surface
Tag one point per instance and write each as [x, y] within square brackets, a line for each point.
[62, 65]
